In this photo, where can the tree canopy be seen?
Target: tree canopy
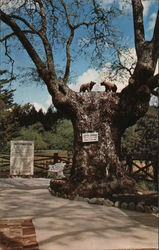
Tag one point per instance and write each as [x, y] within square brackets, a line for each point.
[50, 29]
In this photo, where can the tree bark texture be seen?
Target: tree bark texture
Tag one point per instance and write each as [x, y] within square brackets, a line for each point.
[97, 170]
[96, 113]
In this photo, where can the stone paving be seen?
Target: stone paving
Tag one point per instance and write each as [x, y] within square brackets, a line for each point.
[24, 183]
[62, 224]
[17, 234]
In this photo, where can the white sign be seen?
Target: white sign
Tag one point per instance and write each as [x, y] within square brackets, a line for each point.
[90, 137]
[22, 158]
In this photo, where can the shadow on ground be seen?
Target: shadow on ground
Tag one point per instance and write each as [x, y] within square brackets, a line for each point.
[64, 224]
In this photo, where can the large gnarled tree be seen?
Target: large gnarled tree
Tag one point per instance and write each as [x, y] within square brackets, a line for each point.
[107, 113]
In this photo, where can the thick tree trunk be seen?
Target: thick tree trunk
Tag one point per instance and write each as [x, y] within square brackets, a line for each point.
[95, 114]
[97, 170]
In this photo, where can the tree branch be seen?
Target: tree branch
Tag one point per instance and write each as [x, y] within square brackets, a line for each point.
[67, 14]
[155, 92]
[25, 22]
[69, 42]
[7, 37]
[43, 16]
[4, 81]
[87, 24]
[27, 45]
[147, 51]
[153, 82]
[138, 24]
[8, 55]
[43, 36]
[70, 39]
[3, 71]
[68, 54]
[121, 66]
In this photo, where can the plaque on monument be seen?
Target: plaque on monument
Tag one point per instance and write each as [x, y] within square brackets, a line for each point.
[22, 158]
[90, 137]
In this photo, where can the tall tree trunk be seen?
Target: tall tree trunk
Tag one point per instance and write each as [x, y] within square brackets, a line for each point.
[97, 170]
[95, 114]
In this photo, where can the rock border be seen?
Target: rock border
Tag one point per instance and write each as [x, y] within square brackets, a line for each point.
[139, 206]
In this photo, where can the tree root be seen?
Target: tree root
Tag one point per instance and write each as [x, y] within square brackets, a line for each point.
[87, 189]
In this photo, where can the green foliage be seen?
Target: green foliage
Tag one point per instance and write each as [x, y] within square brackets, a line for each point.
[34, 133]
[63, 136]
[60, 139]
[8, 115]
[141, 140]
[30, 116]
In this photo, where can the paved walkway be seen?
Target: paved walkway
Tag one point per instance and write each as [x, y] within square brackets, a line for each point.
[62, 224]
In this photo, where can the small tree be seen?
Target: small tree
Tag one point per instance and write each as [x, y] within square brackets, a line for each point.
[107, 113]
[8, 110]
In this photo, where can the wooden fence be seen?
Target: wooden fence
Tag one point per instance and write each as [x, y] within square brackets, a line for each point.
[41, 164]
[138, 169]
[4, 165]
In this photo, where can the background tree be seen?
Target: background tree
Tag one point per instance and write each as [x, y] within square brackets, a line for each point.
[8, 112]
[107, 113]
[148, 129]
[63, 136]
[34, 132]
[140, 140]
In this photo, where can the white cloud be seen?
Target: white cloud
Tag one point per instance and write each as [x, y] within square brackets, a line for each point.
[44, 106]
[8, 6]
[152, 21]
[107, 1]
[147, 5]
[126, 5]
[49, 101]
[86, 77]
[121, 80]
[98, 77]
[39, 106]
[89, 75]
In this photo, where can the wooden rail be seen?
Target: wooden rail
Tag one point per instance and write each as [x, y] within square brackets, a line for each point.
[136, 168]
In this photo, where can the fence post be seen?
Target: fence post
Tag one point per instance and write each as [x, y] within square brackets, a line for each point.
[129, 162]
[155, 165]
[55, 157]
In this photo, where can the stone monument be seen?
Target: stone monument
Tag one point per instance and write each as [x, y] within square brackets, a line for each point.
[22, 158]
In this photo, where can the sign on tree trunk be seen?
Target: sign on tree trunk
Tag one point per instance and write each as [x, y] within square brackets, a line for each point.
[90, 137]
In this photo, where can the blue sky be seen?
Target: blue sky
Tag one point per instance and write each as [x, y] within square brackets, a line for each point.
[81, 70]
